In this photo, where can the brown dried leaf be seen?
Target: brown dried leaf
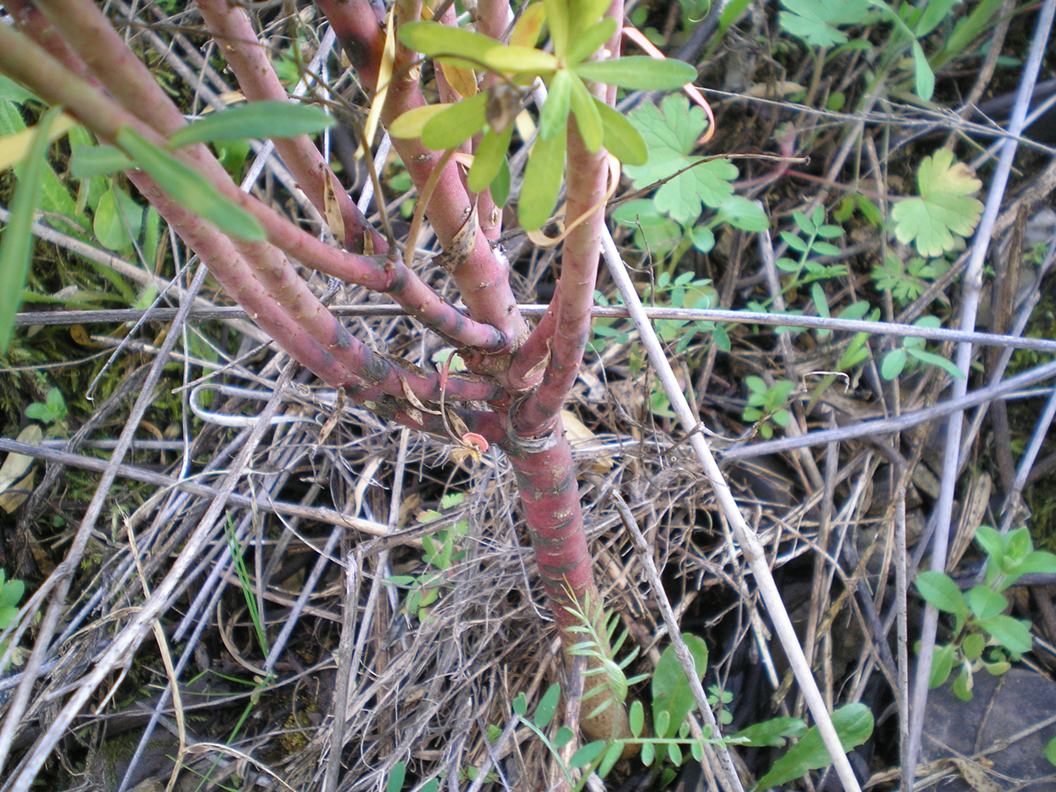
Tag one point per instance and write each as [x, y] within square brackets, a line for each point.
[17, 476]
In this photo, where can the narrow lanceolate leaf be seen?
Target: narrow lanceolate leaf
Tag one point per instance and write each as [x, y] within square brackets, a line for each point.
[488, 159]
[584, 13]
[621, 139]
[528, 26]
[588, 120]
[189, 189]
[555, 112]
[15, 147]
[410, 124]
[17, 242]
[587, 43]
[456, 124]
[542, 181]
[432, 38]
[88, 162]
[519, 60]
[639, 73]
[557, 21]
[259, 120]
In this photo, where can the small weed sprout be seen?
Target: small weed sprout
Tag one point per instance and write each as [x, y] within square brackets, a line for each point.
[767, 404]
[51, 412]
[984, 637]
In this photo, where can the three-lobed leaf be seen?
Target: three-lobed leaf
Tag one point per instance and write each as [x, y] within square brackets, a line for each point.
[671, 131]
[945, 208]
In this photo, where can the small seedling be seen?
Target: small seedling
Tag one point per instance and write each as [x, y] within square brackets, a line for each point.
[441, 553]
[51, 411]
[907, 280]
[767, 405]
[913, 354]
[11, 592]
[984, 636]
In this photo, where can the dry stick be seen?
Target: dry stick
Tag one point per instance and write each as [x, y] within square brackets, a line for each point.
[723, 316]
[973, 279]
[130, 636]
[338, 714]
[319, 514]
[61, 579]
[895, 423]
[1026, 463]
[745, 536]
[726, 770]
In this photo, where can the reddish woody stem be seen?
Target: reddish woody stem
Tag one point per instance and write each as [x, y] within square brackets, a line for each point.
[232, 29]
[26, 62]
[482, 278]
[109, 59]
[586, 177]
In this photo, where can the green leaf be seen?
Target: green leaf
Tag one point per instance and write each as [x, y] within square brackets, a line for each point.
[1050, 751]
[612, 755]
[409, 125]
[938, 589]
[558, 22]
[770, 733]
[924, 77]
[17, 242]
[743, 214]
[587, 42]
[816, 21]
[544, 713]
[670, 686]
[671, 133]
[962, 685]
[648, 754]
[588, 120]
[519, 60]
[638, 73]
[587, 754]
[621, 139]
[432, 38]
[500, 185]
[554, 115]
[258, 120]
[456, 124]
[11, 593]
[984, 602]
[972, 646]
[936, 360]
[563, 736]
[189, 189]
[991, 541]
[489, 159]
[636, 718]
[1037, 562]
[520, 704]
[934, 13]
[90, 161]
[118, 220]
[396, 776]
[1012, 634]
[854, 725]
[542, 182]
[945, 206]
[893, 364]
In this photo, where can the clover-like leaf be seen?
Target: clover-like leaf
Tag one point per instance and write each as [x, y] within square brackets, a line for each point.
[671, 132]
[945, 207]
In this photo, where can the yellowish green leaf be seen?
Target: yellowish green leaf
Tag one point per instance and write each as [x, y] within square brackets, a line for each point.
[945, 209]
